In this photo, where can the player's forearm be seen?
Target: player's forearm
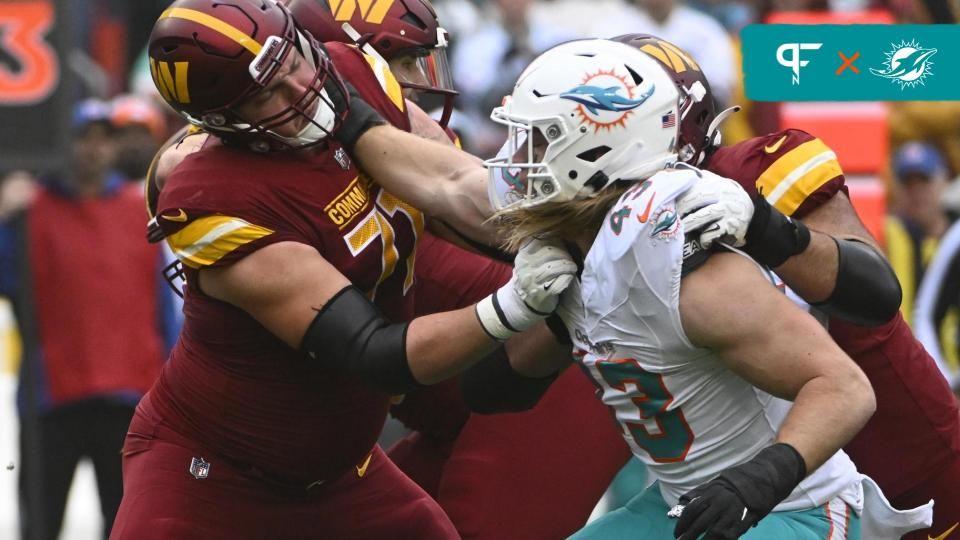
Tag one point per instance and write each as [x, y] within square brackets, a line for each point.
[827, 412]
[442, 345]
[813, 273]
[495, 385]
[839, 270]
[437, 178]
[846, 279]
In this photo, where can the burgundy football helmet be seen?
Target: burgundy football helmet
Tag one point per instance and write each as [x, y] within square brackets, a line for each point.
[209, 56]
[405, 27]
[699, 118]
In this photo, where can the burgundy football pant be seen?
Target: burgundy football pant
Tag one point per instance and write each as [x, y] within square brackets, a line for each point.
[536, 474]
[162, 500]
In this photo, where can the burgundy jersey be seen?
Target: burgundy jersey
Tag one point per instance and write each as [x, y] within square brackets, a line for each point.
[916, 428]
[232, 386]
[794, 170]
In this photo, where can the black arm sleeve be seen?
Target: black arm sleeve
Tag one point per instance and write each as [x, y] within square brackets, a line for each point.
[558, 329]
[491, 386]
[351, 334]
[772, 237]
[867, 291]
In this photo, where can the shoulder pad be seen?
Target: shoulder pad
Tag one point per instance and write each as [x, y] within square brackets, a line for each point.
[373, 80]
[791, 168]
[647, 210]
[801, 164]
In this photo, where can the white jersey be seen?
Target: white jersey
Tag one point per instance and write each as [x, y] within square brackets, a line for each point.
[684, 414]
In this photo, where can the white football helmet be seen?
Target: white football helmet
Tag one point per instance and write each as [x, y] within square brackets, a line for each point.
[583, 115]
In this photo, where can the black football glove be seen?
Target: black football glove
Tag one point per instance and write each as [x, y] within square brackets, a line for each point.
[358, 116]
[772, 237]
[727, 506]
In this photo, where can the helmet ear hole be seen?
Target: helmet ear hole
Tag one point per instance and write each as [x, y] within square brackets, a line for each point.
[414, 20]
[593, 154]
[702, 118]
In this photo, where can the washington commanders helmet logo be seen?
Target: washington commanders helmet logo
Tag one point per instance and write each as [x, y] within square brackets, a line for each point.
[372, 11]
[605, 99]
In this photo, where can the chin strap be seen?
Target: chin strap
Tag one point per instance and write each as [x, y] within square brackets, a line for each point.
[713, 130]
[363, 42]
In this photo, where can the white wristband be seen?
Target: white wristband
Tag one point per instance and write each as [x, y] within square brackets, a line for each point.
[504, 313]
[490, 320]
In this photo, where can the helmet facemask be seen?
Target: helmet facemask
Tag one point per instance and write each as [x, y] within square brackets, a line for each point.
[316, 105]
[519, 174]
[433, 73]
[209, 58]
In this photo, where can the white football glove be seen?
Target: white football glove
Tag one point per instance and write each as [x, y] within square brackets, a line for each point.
[719, 208]
[541, 272]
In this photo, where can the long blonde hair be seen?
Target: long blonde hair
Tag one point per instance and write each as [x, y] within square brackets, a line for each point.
[566, 220]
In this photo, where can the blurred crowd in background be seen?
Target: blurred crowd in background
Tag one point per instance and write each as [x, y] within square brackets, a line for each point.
[904, 183]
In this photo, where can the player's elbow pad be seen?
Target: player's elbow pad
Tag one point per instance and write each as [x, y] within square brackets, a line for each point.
[350, 333]
[867, 291]
[492, 386]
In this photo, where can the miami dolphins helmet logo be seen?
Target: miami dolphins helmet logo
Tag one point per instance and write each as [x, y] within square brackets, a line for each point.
[605, 99]
[907, 64]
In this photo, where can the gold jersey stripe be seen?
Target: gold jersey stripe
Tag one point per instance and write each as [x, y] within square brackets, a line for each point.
[217, 25]
[390, 253]
[209, 239]
[797, 174]
[392, 205]
[387, 80]
[364, 233]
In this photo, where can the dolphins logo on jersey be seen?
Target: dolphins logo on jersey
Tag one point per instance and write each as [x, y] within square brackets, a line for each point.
[665, 224]
[512, 178]
[605, 99]
[907, 64]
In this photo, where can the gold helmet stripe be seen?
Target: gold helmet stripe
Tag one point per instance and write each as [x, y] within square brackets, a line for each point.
[215, 24]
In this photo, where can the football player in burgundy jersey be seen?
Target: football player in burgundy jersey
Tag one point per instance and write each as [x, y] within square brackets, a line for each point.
[462, 460]
[583, 488]
[263, 424]
[911, 446]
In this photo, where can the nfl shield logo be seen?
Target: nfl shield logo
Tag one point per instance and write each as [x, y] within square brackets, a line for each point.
[342, 158]
[199, 468]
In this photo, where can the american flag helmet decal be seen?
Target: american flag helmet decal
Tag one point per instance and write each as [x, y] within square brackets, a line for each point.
[668, 120]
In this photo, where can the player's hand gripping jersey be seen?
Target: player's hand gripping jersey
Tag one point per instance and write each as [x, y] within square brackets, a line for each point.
[683, 413]
[916, 424]
[221, 204]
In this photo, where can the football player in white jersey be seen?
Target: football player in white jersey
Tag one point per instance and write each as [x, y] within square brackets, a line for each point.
[699, 357]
